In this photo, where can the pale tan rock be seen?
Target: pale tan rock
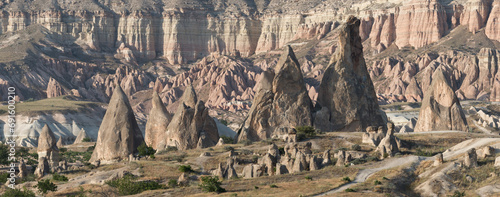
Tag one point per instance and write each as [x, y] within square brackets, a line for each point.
[492, 29]
[390, 144]
[81, 135]
[441, 109]
[189, 123]
[54, 89]
[475, 14]
[438, 159]
[183, 179]
[497, 162]
[23, 172]
[281, 102]
[470, 159]
[157, 124]
[344, 78]
[43, 167]
[47, 147]
[119, 135]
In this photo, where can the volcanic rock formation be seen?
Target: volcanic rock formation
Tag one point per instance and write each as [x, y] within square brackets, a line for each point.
[441, 109]
[54, 88]
[157, 124]
[47, 146]
[191, 125]
[281, 102]
[81, 136]
[346, 95]
[119, 135]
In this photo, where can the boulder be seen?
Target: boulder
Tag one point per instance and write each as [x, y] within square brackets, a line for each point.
[119, 135]
[157, 123]
[470, 159]
[346, 94]
[441, 109]
[497, 162]
[438, 159]
[486, 151]
[281, 102]
[390, 144]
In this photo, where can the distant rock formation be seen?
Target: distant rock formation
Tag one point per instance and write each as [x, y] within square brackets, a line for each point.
[54, 88]
[191, 126]
[81, 136]
[390, 144]
[47, 147]
[346, 94]
[43, 167]
[119, 135]
[281, 102]
[157, 124]
[440, 108]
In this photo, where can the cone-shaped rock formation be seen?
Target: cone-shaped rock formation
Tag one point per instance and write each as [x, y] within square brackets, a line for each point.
[47, 145]
[346, 94]
[119, 135]
[281, 102]
[81, 136]
[191, 127]
[441, 109]
[157, 124]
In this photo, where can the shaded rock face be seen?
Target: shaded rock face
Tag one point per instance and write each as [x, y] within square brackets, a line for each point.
[119, 135]
[47, 146]
[346, 95]
[157, 124]
[470, 159]
[281, 102]
[43, 167]
[191, 126]
[441, 109]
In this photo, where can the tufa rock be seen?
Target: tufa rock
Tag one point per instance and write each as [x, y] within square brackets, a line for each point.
[438, 159]
[119, 135]
[220, 142]
[47, 147]
[281, 102]
[81, 135]
[346, 94]
[157, 124]
[190, 123]
[389, 144]
[470, 160]
[23, 172]
[54, 88]
[59, 143]
[497, 162]
[441, 109]
[43, 167]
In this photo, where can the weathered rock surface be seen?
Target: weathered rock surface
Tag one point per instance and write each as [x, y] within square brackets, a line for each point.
[81, 136]
[281, 102]
[190, 124]
[119, 135]
[47, 147]
[157, 124]
[470, 159]
[43, 167]
[346, 91]
[54, 88]
[438, 159]
[441, 109]
[390, 144]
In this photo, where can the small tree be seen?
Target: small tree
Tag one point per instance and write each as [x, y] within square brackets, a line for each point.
[45, 185]
[145, 150]
[185, 168]
[87, 139]
[304, 132]
[211, 184]
[18, 193]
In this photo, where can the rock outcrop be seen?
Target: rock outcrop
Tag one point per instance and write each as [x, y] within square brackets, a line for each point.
[191, 125]
[43, 167]
[470, 158]
[119, 135]
[81, 136]
[157, 124]
[390, 144]
[23, 172]
[441, 109]
[54, 88]
[47, 147]
[492, 29]
[346, 95]
[281, 102]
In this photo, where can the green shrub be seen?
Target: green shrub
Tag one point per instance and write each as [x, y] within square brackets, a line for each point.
[58, 177]
[224, 122]
[128, 186]
[63, 150]
[346, 179]
[4, 176]
[172, 183]
[377, 182]
[356, 147]
[185, 168]
[256, 187]
[4, 154]
[227, 139]
[228, 148]
[273, 186]
[458, 194]
[145, 150]
[91, 148]
[350, 190]
[18, 193]
[45, 185]
[211, 184]
[87, 139]
[308, 178]
[304, 132]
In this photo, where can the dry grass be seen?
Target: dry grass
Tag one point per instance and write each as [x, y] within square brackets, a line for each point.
[52, 104]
